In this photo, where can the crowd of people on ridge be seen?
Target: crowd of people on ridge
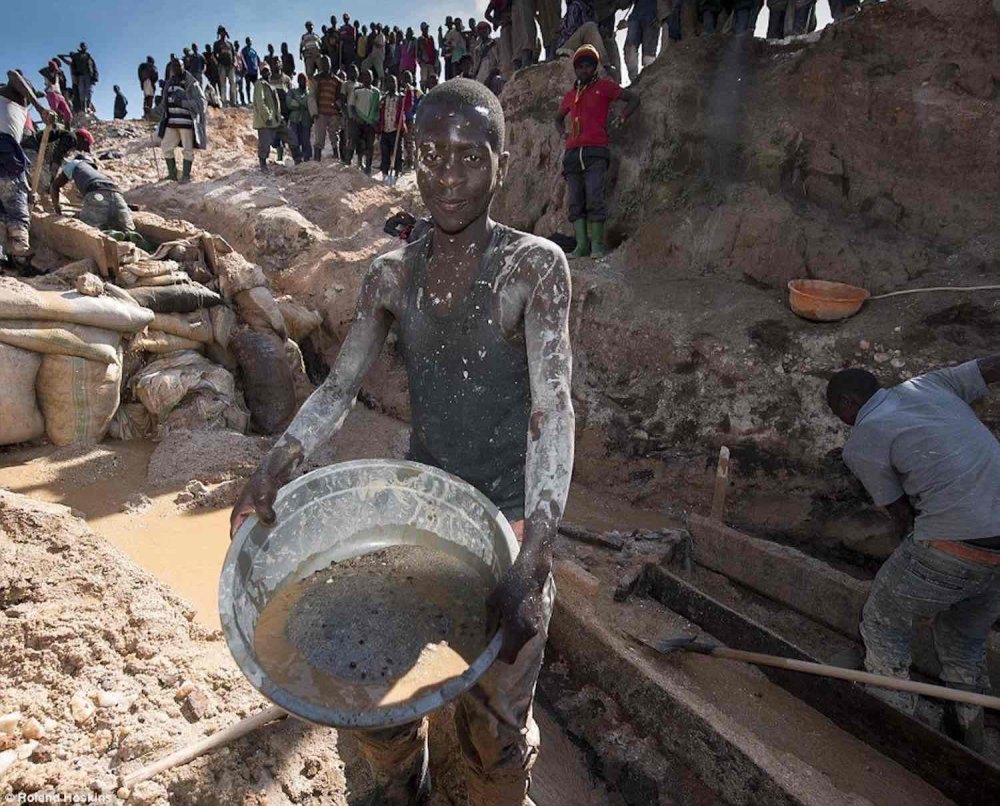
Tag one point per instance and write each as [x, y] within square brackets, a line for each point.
[358, 85]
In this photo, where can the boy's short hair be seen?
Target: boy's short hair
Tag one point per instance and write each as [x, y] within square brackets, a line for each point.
[459, 92]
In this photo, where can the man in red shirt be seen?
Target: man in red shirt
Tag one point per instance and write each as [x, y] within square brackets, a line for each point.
[348, 44]
[587, 155]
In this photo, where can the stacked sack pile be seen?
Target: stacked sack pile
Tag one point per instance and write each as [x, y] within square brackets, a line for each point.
[61, 359]
[189, 337]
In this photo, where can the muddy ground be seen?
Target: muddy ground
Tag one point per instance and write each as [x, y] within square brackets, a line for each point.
[125, 618]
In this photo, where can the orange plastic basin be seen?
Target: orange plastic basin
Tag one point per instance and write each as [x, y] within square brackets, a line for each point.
[824, 301]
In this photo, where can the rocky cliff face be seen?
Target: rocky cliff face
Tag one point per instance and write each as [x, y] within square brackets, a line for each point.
[865, 153]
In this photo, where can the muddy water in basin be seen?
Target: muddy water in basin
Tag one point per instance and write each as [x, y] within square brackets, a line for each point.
[376, 630]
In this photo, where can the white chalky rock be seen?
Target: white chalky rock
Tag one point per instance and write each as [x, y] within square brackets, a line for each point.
[8, 723]
[32, 729]
[881, 358]
[864, 344]
[81, 707]
[26, 749]
[108, 699]
[7, 757]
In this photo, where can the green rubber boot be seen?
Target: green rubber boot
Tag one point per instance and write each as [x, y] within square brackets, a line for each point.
[582, 241]
[171, 169]
[186, 176]
[596, 231]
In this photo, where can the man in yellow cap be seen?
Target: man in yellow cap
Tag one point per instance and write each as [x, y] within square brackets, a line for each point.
[587, 154]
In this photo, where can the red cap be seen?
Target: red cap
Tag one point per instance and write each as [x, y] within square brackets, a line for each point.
[87, 137]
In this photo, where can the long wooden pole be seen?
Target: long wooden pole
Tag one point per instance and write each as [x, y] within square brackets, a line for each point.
[192, 751]
[853, 675]
[36, 173]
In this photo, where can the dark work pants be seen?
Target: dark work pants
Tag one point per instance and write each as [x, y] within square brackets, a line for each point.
[366, 145]
[584, 169]
[800, 25]
[353, 146]
[300, 139]
[387, 142]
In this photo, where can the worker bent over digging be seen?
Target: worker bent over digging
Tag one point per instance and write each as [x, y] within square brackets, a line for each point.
[482, 314]
[919, 444]
[587, 155]
[103, 206]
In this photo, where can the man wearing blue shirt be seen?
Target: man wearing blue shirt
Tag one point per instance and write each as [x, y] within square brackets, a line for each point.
[103, 205]
[923, 454]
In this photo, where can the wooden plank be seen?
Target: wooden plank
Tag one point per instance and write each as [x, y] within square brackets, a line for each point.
[721, 485]
[782, 573]
[804, 583]
[36, 173]
[582, 535]
[662, 708]
[943, 763]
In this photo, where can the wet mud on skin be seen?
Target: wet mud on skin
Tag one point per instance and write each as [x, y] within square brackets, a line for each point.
[375, 630]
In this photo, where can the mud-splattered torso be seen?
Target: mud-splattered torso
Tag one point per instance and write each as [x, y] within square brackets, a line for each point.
[514, 310]
[470, 392]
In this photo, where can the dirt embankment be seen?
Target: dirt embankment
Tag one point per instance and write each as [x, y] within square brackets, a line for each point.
[105, 670]
[864, 154]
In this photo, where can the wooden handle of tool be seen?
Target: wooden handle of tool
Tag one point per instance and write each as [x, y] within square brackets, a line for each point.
[192, 751]
[36, 173]
[881, 681]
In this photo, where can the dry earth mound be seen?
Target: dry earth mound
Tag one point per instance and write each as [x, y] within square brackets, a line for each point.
[104, 671]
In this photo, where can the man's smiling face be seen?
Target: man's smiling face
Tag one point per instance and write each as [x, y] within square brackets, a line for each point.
[459, 165]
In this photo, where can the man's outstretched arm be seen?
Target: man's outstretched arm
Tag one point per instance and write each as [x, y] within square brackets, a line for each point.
[549, 463]
[326, 409]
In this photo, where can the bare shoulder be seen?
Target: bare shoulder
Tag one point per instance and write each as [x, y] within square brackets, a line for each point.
[386, 279]
[535, 261]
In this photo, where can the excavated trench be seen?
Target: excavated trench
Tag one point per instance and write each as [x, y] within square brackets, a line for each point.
[619, 724]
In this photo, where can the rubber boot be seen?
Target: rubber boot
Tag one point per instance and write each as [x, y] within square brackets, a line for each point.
[964, 723]
[317, 153]
[596, 231]
[171, 169]
[263, 165]
[582, 240]
[186, 176]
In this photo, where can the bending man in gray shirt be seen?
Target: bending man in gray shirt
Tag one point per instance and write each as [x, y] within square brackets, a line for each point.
[921, 452]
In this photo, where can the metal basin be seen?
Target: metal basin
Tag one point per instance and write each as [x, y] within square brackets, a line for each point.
[330, 515]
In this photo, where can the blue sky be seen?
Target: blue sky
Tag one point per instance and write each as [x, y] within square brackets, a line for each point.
[121, 34]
